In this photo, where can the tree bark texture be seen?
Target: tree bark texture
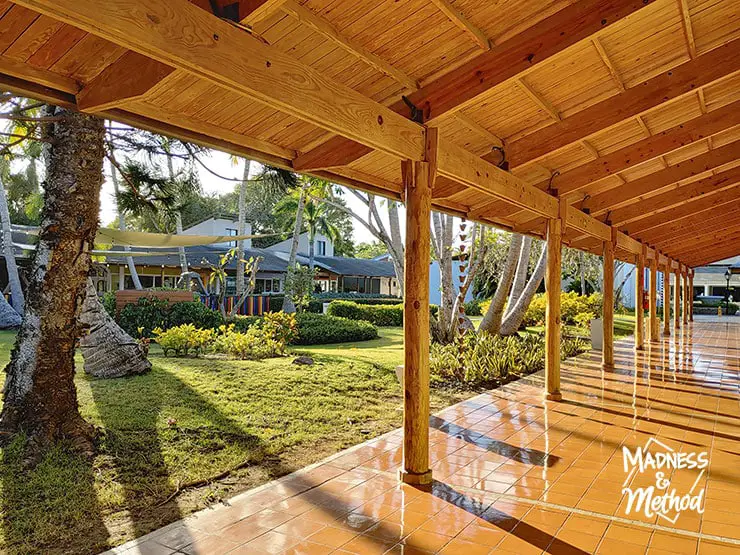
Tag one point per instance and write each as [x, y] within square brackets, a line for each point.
[108, 351]
[515, 314]
[491, 322]
[40, 396]
[288, 304]
[242, 227]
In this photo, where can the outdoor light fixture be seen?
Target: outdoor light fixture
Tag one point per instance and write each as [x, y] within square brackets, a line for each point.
[728, 275]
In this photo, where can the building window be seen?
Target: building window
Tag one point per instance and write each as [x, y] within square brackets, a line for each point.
[230, 285]
[275, 285]
[321, 248]
[232, 233]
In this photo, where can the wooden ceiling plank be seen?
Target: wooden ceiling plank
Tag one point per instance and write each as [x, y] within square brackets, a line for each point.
[608, 63]
[463, 23]
[669, 85]
[465, 85]
[675, 197]
[538, 100]
[703, 216]
[40, 76]
[688, 29]
[129, 78]
[473, 125]
[184, 36]
[323, 27]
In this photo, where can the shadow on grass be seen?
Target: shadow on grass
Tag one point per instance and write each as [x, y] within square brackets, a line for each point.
[141, 444]
[67, 504]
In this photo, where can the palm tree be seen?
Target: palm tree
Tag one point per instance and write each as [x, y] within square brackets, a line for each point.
[317, 217]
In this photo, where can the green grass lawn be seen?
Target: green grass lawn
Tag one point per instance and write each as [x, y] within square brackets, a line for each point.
[189, 420]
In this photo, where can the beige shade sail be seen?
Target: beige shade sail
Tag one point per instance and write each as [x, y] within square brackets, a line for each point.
[143, 239]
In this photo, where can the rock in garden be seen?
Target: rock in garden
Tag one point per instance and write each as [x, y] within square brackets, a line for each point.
[308, 361]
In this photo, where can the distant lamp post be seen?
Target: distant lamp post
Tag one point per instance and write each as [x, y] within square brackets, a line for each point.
[728, 275]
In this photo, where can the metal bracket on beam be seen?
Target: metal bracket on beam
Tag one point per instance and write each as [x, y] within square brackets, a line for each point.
[417, 114]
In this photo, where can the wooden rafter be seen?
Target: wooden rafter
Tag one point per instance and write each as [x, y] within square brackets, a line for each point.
[684, 79]
[537, 99]
[608, 63]
[466, 84]
[478, 36]
[688, 30]
[473, 125]
[703, 213]
[323, 27]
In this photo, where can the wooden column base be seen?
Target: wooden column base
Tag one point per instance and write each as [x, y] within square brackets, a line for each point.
[607, 367]
[666, 333]
[557, 396]
[413, 479]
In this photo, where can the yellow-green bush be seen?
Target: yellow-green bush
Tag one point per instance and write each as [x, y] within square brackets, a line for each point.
[255, 343]
[185, 339]
[571, 305]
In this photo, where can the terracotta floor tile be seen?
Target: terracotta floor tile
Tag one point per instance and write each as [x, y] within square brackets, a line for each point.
[306, 547]
[462, 547]
[367, 545]
[209, 545]
[423, 539]
[332, 536]
[299, 528]
[673, 542]
[270, 543]
[707, 547]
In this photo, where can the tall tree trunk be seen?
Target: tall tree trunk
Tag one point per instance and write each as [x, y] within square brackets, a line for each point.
[491, 322]
[395, 246]
[311, 248]
[520, 278]
[241, 230]
[442, 237]
[582, 265]
[14, 279]
[108, 351]
[40, 396]
[288, 304]
[122, 227]
[514, 317]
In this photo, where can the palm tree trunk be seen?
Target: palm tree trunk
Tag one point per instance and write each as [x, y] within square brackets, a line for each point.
[491, 322]
[122, 227]
[40, 395]
[520, 278]
[581, 263]
[108, 351]
[288, 304]
[397, 248]
[178, 223]
[311, 248]
[14, 279]
[514, 317]
[242, 226]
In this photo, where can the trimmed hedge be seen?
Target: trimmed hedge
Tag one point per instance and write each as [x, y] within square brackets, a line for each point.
[380, 315]
[322, 329]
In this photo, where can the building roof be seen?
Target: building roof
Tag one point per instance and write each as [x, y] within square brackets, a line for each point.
[272, 261]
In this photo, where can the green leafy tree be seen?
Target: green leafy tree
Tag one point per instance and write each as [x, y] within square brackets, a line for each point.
[370, 250]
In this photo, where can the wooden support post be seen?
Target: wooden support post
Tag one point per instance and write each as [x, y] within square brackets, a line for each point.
[691, 296]
[685, 298]
[666, 299]
[677, 302]
[552, 310]
[639, 293]
[607, 353]
[653, 310]
[418, 178]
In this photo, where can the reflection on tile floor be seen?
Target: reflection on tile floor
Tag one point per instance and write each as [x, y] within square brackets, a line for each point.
[516, 474]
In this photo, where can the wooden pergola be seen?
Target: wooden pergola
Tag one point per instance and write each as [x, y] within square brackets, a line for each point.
[607, 125]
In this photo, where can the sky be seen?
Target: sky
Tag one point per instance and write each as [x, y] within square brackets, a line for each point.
[222, 164]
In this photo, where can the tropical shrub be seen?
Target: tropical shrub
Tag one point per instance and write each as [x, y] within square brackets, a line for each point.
[280, 327]
[109, 303]
[571, 305]
[254, 344]
[184, 340]
[583, 319]
[485, 360]
[243, 323]
[322, 329]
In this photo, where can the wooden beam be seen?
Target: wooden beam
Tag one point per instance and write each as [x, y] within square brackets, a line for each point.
[656, 182]
[678, 196]
[458, 164]
[465, 85]
[705, 240]
[573, 184]
[684, 79]
[462, 22]
[706, 220]
[127, 79]
[576, 219]
[246, 12]
[552, 309]
[38, 76]
[323, 27]
[182, 35]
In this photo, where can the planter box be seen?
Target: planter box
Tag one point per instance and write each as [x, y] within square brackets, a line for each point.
[132, 296]
[597, 334]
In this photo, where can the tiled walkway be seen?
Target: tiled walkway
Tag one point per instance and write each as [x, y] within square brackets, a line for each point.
[518, 475]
